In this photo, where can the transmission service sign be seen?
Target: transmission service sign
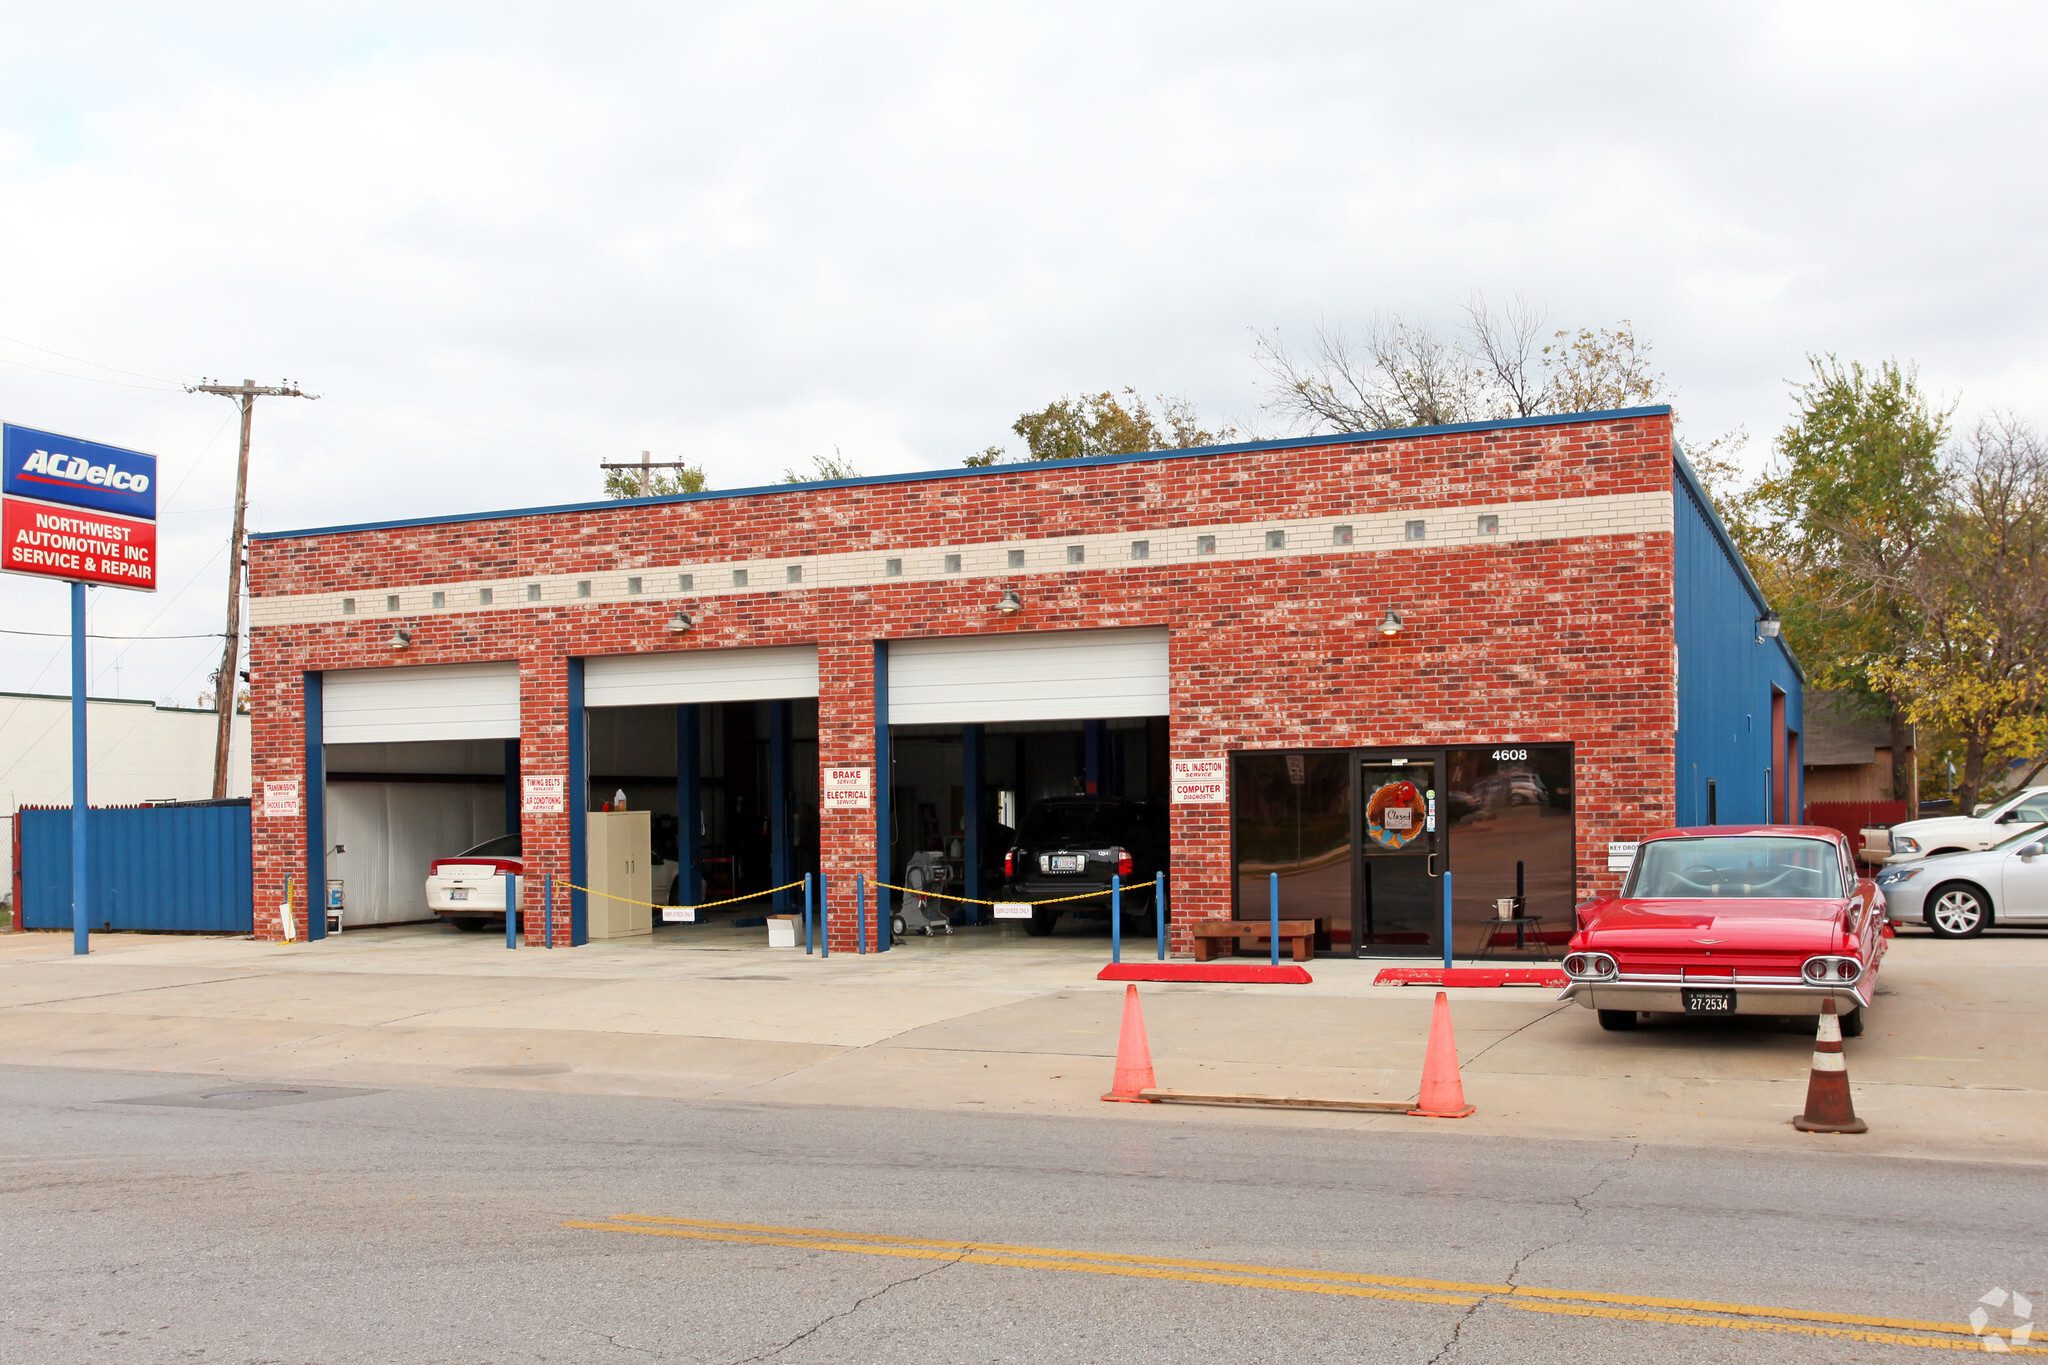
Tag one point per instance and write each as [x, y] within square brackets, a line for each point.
[77, 510]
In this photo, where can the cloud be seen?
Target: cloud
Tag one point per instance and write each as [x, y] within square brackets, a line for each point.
[748, 234]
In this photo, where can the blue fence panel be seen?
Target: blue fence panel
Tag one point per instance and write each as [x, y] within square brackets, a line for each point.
[162, 868]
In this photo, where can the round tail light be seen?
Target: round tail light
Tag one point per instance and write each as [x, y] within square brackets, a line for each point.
[1847, 969]
[1816, 969]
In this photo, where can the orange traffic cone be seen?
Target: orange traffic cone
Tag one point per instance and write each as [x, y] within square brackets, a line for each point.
[1828, 1109]
[1442, 1097]
[1133, 1057]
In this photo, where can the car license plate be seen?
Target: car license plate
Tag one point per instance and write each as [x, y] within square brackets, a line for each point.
[1709, 1002]
[1065, 862]
[458, 893]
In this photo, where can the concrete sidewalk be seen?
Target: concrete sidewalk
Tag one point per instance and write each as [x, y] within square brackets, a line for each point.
[1950, 1068]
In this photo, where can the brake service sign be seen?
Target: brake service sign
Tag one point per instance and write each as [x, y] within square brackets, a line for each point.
[77, 510]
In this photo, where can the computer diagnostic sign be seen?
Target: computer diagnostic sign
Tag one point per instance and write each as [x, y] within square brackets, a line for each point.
[77, 510]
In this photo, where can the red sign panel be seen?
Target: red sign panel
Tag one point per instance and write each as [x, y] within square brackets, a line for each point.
[77, 544]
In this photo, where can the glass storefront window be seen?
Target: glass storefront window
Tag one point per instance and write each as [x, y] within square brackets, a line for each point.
[1292, 815]
[1510, 814]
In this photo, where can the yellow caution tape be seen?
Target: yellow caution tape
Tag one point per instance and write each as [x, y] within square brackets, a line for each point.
[707, 905]
[970, 900]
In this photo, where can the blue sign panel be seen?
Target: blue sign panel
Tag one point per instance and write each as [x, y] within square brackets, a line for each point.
[53, 468]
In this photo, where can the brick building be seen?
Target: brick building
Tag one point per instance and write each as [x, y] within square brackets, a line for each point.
[1489, 649]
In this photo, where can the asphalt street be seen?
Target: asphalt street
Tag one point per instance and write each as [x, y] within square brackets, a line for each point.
[464, 1224]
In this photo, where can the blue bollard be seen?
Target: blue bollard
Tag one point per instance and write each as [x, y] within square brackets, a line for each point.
[1273, 906]
[860, 913]
[548, 910]
[824, 919]
[1116, 918]
[1159, 905]
[1447, 919]
[807, 914]
[511, 912]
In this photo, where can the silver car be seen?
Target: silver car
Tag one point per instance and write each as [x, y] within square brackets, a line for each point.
[1959, 895]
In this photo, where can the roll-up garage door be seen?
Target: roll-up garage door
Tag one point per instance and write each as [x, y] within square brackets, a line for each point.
[701, 675]
[444, 701]
[1042, 675]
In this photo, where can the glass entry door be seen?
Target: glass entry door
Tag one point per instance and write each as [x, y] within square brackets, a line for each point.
[1401, 852]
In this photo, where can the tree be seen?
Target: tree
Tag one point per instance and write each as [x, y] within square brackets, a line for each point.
[625, 483]
[1977, 668]
[1835, 529]
[1400, 374]
[1106, 424]
[824, 469]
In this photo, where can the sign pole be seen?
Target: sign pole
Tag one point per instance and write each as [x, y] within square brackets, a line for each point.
[80, 937]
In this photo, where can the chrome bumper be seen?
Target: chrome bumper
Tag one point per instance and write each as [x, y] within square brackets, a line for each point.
[1660, 993]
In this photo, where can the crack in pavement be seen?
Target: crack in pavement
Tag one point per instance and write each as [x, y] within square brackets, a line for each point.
[1579, 1207]
[1548, 1014]
[856, 1306]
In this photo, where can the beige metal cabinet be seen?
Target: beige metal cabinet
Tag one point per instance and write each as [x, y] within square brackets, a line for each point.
[618, 849]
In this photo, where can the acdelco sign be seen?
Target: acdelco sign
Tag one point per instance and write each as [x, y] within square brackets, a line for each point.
[62, 469]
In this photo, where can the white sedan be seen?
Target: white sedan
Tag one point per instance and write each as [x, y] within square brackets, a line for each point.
[1959, 895]
[468, 890]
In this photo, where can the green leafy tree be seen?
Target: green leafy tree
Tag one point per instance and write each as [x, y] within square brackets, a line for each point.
[625, 483]
[1836, 527]
[1977, 667]
[1106, 423]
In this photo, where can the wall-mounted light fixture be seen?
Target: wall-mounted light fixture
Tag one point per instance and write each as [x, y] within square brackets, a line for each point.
[399, 639]
[1390, 624]
[680, 622]
[1010, 603]
[1767, 627]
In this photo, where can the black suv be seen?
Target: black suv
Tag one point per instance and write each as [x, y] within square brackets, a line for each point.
[1069, 845]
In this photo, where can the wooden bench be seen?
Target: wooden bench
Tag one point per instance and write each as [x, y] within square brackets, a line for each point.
[1214, 937]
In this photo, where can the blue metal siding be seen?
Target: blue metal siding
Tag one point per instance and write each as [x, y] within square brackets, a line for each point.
[164, 868]
[1725, 675]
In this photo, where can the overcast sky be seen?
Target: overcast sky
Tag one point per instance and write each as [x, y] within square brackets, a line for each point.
[505, 241]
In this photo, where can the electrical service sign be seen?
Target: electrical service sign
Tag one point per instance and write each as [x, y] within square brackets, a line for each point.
[77, 510]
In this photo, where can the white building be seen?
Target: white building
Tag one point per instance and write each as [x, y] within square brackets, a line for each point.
[137, 752]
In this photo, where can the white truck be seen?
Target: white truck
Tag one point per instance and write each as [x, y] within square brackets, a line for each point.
[1956, 833]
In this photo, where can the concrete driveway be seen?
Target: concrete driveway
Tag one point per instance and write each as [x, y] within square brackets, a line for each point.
[1951, 1066]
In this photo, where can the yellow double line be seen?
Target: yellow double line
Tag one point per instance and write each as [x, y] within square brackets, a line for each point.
[1733, 1317]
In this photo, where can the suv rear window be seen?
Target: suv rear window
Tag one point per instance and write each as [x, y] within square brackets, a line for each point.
[1090, 826]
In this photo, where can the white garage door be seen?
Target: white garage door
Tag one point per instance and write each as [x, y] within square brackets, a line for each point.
[398, 705]
[1043, 675]
[701, 675]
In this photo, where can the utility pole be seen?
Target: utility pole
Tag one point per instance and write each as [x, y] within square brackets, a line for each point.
[648, 464]
[246, 393]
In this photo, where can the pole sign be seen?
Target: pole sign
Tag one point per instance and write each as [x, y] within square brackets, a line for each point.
[76, 510]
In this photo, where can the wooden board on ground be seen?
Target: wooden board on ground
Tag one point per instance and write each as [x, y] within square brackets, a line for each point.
[1275, 1101]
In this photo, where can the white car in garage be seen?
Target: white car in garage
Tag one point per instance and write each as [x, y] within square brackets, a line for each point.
[468, 890]
[1967, 833]
[1959, 895]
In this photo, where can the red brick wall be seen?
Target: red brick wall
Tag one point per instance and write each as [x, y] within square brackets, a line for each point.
[1522, 641]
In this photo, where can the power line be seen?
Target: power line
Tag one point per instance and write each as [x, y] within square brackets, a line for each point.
[90, 635]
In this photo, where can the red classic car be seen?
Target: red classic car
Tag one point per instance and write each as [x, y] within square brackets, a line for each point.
[1732, 919]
